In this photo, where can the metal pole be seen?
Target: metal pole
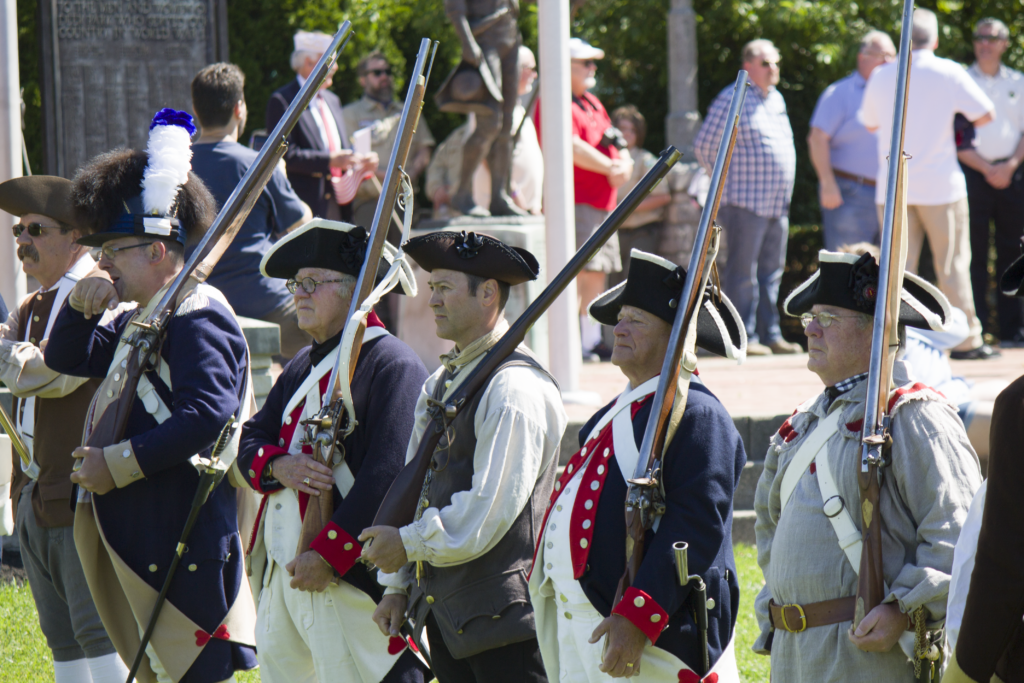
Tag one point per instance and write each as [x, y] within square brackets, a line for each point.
[13, 286]
[564, 348]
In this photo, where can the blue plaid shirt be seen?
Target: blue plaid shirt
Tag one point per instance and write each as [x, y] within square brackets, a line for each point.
[763, 165]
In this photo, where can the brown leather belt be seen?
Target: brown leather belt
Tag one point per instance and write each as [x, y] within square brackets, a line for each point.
[870, 182]
[797, 618]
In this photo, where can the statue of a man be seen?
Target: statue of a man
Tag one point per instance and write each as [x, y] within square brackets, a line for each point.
[486, 83]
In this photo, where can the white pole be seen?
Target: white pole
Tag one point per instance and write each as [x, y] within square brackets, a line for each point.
[12, 277]
[564, 348]
[683, 120]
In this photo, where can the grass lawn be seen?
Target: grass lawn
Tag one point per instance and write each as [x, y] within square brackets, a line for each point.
[24, 657]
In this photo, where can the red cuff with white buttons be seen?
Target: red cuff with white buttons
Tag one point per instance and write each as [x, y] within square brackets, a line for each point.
[263, 456]
[641, 609]
[337, 547]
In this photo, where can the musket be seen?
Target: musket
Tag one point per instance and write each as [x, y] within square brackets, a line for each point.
[147, 338]
[19, 445]
[337, 419]
[875, 436]
[644, 498]
[208, 480]
[399, 505]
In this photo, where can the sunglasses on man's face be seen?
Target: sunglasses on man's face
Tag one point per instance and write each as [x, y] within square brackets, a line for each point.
[987, 39]
[34, 229]
[768, 64]
[380, 72]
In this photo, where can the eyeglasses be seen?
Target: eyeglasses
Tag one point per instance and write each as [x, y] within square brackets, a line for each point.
[111, 252]
[825, 320]
[586, 62]
[978, 38]
[769, 64]
[34, 229]
[380, 72]
[308, 284]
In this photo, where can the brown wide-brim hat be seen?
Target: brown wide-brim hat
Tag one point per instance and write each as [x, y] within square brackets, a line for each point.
[45, 195]
[474, 254]
[469, 89]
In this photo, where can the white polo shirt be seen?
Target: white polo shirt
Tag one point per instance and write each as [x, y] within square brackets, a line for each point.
[999, 139]
[939, 88]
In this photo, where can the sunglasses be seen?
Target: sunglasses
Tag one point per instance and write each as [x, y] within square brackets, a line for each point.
[769, 64]
[586, 62]
[380, 72]
[308, 284]
[987, 39]
[34, 229]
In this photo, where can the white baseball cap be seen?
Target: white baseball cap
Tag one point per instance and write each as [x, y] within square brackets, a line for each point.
[312, 41]
[581, 49]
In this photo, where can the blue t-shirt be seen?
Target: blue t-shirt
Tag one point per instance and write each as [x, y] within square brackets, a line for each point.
[221, 166]
[854, 148]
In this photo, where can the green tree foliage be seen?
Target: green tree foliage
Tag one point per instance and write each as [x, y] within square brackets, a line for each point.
[817, 40]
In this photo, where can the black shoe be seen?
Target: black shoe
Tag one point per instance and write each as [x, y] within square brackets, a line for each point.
[983, 352]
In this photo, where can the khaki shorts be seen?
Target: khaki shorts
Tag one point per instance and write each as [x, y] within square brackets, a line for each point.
[607, 259]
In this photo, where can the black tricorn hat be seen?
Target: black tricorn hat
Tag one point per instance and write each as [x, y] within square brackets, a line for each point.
[1012, 282]
[45, 195]
[473, 254]
[333, 245]
[851, 281]
[469, 89]
[655, 285]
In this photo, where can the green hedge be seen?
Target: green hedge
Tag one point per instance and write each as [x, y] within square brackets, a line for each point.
[817, 41]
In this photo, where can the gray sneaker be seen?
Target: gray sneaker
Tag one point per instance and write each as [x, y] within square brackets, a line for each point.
[756, 349]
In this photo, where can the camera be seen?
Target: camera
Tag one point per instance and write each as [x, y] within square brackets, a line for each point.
[612, 137]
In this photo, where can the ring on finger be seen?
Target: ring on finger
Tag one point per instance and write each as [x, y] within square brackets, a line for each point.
[306, 481]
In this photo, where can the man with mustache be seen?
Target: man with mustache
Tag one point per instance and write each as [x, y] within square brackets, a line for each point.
[49, 410]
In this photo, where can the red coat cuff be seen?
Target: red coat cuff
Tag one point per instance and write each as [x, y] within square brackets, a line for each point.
[337, 547]
[641, 609]
[263, 456]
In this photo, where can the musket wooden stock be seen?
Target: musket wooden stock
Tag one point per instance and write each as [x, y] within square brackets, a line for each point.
[109, 429]
[399, 506]
[16, 442]
[326, 441]
[643, 497]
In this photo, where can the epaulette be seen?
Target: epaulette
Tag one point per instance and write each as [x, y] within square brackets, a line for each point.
[195, 301]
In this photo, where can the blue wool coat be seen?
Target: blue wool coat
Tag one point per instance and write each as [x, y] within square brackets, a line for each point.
[207, 358]
[700, 472]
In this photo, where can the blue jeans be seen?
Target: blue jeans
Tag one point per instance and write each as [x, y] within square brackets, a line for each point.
[855, 221]
[756, 254]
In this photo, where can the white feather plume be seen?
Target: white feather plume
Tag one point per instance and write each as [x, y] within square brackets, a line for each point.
[170, 157]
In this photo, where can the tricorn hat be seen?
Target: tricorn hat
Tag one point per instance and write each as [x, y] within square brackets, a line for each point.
[655, 285]
[851, 281]
[45, 195]
[332, 245]
[150, 194]
[469, 89]
[1012, 282]
[473, 254]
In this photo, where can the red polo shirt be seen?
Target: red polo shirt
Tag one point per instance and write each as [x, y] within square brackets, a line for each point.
[589, 122]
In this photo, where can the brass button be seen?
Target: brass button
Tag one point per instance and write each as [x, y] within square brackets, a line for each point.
[126, 453]
[124, 364]
[607, 452]
[655, 618]
[332, 534]
[638, 601]
[288, 420]
[584, 451]
[348, 546]
[711, 603]
[589, 504]
[459, 631]
[594, 485]
[35, 318]
[550, 544]
[39, 297]
[280, 442]
[110, 393]
[569, 469]
[32, 339]
[430, 599]
[259, 452]
[568, 615]
[277, 507]
[586, 524]
[550, 566]
[252, 474]
[135, 474]
[152, 567]
[600, 469]
[192, 567]
[563, 598]
[583, 543]
[558, 486]
[117, 376]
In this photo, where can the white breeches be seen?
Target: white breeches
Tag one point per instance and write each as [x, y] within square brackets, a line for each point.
[579, 660]
[319, 637]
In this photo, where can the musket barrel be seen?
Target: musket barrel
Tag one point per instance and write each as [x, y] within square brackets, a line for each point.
[879, 344]
[680, 551]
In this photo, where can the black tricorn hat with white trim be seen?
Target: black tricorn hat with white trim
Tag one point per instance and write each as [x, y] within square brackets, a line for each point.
[851, 281]
[655, 285]
[1012, 282]
[333, 245]
[474, 254]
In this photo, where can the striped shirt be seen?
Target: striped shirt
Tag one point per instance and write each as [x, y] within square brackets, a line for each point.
[763, 165]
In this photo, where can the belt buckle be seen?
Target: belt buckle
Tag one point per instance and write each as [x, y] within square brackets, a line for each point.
[803, 619]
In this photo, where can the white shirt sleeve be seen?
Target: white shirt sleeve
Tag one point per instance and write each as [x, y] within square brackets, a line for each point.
[518, 425]
[971, 100]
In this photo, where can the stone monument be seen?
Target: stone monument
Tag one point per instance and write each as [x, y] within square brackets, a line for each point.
[109, 65]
